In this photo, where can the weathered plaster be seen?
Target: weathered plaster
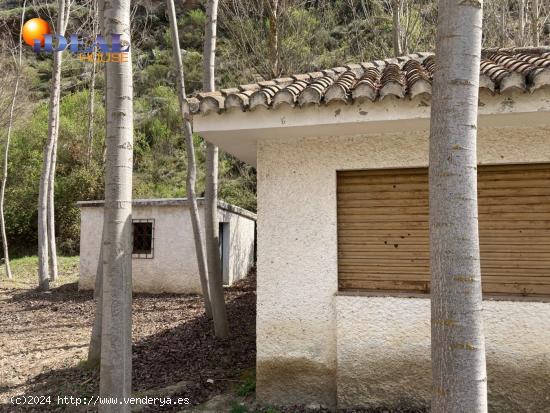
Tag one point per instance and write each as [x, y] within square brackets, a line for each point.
[298, 357]
[174, 266]
[384, 353]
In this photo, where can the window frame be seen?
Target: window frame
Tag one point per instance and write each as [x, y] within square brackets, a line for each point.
[141, 255]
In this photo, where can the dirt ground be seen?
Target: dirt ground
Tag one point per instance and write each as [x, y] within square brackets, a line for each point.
[44, 339]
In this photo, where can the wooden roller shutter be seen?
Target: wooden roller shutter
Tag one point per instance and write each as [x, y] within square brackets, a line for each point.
[383, 242]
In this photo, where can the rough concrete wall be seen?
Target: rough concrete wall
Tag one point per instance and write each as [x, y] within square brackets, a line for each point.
[384, 353]
[297, 246]
[174, 266]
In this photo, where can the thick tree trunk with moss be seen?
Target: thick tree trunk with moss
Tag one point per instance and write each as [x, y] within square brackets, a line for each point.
[191, 161]
[458, 344]
[116, 334]
[215, 281]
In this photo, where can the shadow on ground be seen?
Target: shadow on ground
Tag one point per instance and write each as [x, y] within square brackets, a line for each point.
[174, 352]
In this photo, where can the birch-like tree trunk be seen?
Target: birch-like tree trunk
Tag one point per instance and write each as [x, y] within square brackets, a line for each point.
[273, 40]
[91, 91]
[52, 247]
[94, 349]
[215, 281]
[521, 35]
[46, 175]
[535, 23]
[18, 67]
[191, 161]
[116, 331]
[397, 31]
[458, 344]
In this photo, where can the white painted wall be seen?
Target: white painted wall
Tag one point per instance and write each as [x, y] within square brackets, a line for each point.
[174, 266]
[314, 346]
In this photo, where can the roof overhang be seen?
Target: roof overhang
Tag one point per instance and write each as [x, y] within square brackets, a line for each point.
[239, 133]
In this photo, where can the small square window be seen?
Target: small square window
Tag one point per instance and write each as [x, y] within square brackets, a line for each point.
[143, 245]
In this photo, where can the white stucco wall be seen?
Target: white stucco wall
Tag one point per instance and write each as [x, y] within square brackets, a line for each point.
[316, 347]
[174, 266]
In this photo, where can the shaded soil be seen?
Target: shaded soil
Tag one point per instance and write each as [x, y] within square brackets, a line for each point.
[44, 339]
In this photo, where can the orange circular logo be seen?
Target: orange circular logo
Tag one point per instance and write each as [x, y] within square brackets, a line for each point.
[35, 29]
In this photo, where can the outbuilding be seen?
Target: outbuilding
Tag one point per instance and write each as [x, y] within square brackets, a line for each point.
[164, 257]
[343, 253]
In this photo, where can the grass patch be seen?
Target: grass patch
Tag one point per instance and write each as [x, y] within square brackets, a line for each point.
[25, 272]
[246, 388]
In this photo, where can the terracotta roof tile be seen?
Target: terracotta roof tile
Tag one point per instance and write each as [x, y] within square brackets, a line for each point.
[525, 69]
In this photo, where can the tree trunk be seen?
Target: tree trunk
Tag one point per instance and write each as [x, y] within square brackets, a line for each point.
[273, 41]
[535, 23]
[91, 91]
[52, 247]
[44, 188]
[521, 34]
[211, 192]
[396, 14]
[215, 279]
[191, 161]
[94, 349]
[458, 344]
[18, 63]
[116, 334]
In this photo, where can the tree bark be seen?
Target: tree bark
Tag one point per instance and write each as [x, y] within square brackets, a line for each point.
[116, 334]
[211, 191]
[52, 247]
[18, 63]
[458, 344]
[91, 91]
[396, 14]
[191, 161]
[215, 279]
[51, 142]
[273, 42]
[535, 23]
[521, 34]
[94, 349]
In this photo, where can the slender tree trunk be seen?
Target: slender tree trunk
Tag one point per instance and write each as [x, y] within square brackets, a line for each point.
[458, 344]
[91, 91]
[52, 247]
[273, 42]
[521, 34]
[116, 334]
[191, 161]
[215, 281]
[94, 349]
[51, 142]
[535, 23]
[18, 63]
[396, 14]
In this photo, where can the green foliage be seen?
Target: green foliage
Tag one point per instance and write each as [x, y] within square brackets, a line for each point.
[74, 180]
[246, 388]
